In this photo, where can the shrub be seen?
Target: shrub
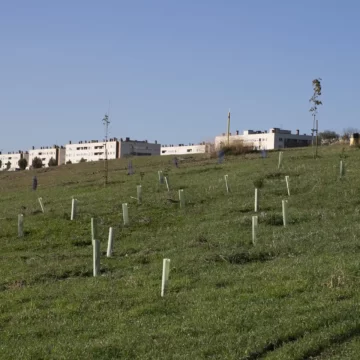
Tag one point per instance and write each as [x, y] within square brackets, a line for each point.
[238, 148]
[0, 164]
[37, 163]
[82, 160]
[69, 162]
[258, 183]
[52, 162]
[22, 163]
[8, 164]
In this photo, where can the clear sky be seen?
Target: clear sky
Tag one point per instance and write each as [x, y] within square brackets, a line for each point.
[172, 68]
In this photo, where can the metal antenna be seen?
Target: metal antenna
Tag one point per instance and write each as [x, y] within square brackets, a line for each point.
[106, 122]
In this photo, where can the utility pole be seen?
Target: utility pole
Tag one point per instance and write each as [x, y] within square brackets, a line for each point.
[228, 129]
[106, 123]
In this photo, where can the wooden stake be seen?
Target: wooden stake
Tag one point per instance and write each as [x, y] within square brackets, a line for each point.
[110, 243]
[139, 194]
[167, 183]
[256, 201]
[94, 233]
[165, 276]
[125, 213]
[41, 205]
[284, 211]
[254, 228]
[226, 177]
[287, 184]
[280, 159]
[21, 225]
[73, 208]
[161, 177]
[342, 169]
[96, 257]
[182, 198]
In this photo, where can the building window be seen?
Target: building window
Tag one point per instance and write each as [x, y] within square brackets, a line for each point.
[280, 139]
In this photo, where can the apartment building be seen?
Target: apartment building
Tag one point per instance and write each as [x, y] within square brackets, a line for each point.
[10, 160]
[130, 147]
[94, 150]
[275, 138]
[91, 150]
[182, 149]
[46, 153]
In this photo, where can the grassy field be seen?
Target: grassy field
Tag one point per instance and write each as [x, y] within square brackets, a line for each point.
[293, 295]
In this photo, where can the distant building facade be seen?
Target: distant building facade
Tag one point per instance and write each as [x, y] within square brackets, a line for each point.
[182, 149]
[10, 161]
[46, 154]
[275, 138]
[95, 150]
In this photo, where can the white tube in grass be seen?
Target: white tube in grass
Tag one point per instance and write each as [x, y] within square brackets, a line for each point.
[280, 159]
[161, 177]
[94, 233]
[73, 208]
[41, 205]
[256, 204]
[110, 242]
[125, 213]
[182, 198]
[284, 211]
[20, 225]
[139, 194]
[167, 183]
[342, 168]
[254, 228]
[287, 184]
[96, 257]
[226, 177]
[165, 276]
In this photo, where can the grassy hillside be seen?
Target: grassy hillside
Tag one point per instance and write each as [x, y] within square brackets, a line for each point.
[293, 295]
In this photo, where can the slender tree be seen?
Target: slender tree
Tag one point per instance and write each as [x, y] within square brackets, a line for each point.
[315, 102]
[106, 123]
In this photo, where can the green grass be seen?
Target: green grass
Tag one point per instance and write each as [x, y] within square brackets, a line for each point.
[294, 295]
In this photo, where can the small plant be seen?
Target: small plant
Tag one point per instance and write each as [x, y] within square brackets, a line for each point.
[52, 162]
[22, 163]
[37, 163]
[8, 164]
[82, 160]
[68, 162]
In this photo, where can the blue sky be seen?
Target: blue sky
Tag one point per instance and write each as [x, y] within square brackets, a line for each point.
[171, 68]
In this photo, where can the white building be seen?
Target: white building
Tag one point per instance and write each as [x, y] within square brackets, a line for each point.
[182, 149]
[94, 150]
[275, 138]
[12, 158]
[46, 153]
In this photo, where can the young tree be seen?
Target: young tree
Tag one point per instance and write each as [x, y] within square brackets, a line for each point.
[22, 164]
[8, 164]
[52, 162]
[316, 83]
[106, 123]
[37, 163]
[0, 164]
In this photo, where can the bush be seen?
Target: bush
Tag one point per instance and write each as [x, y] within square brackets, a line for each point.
[37, 163]
[82, 160]
[52, 162]
[8, 164]
[68, 162]
[22, 163]
[238, 148]
[0, 164]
